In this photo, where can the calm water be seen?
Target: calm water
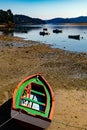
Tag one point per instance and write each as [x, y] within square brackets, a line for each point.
[59, 40]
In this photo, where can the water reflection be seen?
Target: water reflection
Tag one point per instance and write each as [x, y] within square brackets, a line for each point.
[7, 31]
[56, 40]
[25, 29]
[18, 29]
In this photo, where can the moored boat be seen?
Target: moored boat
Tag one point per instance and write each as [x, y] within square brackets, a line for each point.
[44, 29]
[57, 31]
[77, 37]
[33, 102]
[43, 33]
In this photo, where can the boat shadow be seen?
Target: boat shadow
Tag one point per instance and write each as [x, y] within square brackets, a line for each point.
[7, 123]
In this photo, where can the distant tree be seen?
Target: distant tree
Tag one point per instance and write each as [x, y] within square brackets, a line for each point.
[6, 17]
[10, 16]
[3, 16]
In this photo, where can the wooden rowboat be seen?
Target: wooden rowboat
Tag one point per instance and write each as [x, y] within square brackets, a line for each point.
[43, 33]
[57, 31]
[77, 37]
[33, 102]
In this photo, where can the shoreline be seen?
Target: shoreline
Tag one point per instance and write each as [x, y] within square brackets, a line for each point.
[76, 24]
[10, 41]
[65, 71]
[80, 23]
[13, 41]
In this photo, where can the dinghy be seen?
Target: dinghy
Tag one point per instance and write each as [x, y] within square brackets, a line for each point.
[33, 102]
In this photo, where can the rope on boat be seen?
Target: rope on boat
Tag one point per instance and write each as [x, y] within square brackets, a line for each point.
[60, 122]
[8, 120]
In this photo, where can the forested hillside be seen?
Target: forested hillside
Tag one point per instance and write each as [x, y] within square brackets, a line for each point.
[7, 18]
[22, 19]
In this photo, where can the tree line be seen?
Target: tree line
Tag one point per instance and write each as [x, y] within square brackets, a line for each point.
[6, 17]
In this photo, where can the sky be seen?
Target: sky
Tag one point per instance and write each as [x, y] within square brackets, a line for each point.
[46, 9]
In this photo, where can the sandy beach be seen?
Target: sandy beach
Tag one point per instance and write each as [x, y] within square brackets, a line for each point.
[65, 71]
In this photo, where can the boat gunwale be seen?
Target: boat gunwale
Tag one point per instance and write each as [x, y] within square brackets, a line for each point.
[51, 92]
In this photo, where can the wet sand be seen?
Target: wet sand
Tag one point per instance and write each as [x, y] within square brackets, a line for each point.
[65, 71]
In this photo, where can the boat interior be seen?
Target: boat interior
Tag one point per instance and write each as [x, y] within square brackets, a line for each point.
[34, 97]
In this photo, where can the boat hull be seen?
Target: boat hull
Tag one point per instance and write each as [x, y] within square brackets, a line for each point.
[33, 102]
[27, 120]
[77, 37]
[57, 31]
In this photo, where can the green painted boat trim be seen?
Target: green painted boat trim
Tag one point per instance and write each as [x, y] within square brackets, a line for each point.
[39, 93]
[28, 99]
